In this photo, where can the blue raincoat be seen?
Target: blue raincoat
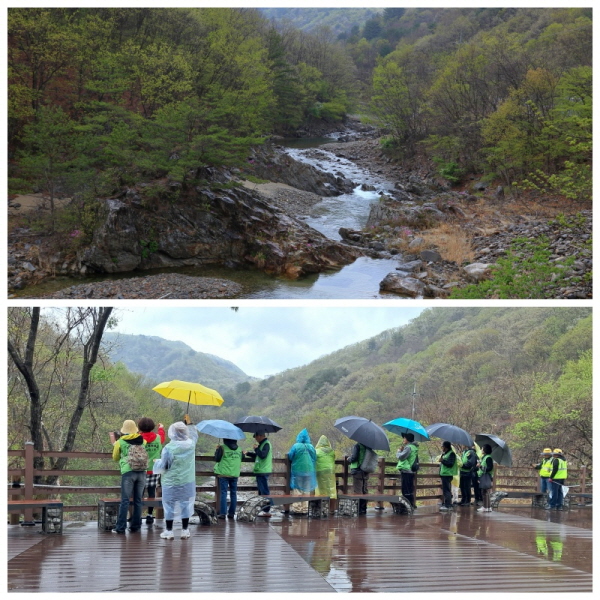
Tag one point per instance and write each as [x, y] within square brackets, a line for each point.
[303, 457]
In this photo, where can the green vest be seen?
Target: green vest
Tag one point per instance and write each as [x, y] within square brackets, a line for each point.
[491, 472]
[361, 455]
[153, 449]
[123, 462]
[465, 458]
[264, 465]
[453, 470]
[230, 464]
[407, 463]
[562, 469]
[546, 467]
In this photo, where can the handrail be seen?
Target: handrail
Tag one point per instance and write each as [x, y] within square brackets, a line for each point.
[385, 479]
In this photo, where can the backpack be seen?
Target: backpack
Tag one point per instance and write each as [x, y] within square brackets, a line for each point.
[369, 461]
[415, 466]
[137, 458]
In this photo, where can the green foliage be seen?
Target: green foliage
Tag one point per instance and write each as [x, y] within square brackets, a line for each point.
[525, 272]
[559, 413]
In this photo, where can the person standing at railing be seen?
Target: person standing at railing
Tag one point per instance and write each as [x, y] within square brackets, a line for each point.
[407, 455]
[228, 459]
[469, 460]
[177, 466]
[154, 444]
[303, 480]
[133, 475]
[448, 469]
[263, 467]
[544, 468]
[325, 468]
[557, 478]
[486, 476]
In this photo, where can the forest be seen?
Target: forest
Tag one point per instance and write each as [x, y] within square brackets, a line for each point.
[100, 98]
[524, 374]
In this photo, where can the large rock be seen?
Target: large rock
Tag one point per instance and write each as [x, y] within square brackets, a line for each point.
[477, 271]
[405, 286]
[282, 168]
[231, 227]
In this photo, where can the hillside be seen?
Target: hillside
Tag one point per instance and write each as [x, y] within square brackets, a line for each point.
[338, 20]
[484, 369]
[162, 360]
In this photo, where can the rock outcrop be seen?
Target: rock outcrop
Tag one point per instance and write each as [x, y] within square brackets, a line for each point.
[232, 227]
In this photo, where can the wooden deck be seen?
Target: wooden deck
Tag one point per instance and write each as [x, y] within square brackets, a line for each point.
[512, 550]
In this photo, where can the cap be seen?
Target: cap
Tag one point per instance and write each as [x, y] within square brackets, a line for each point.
[557, 451]
[546, 451]
[129, 427]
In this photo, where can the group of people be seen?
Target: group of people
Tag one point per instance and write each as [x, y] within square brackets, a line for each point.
[312, 469]
[552, 469]
[173, 467]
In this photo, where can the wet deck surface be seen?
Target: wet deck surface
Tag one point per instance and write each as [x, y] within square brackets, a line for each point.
[512, 550]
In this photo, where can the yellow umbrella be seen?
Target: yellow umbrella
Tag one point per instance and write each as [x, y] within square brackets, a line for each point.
[192, 393]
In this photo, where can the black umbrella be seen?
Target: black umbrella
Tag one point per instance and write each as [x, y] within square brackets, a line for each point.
[253, 424]
[363, 431]
[500, 450]
[451, 433]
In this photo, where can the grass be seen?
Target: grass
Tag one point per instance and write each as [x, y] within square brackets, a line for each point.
[451, 241]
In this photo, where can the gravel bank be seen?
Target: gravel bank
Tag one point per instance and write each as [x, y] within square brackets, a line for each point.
[165, 285]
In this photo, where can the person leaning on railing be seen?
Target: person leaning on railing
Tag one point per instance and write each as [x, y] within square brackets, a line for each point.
[263, 467]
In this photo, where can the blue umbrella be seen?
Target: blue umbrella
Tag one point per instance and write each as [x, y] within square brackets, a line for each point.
[403, 425]
[220, 429]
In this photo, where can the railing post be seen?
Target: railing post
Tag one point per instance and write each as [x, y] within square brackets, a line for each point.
[217, 494]
[345, 476]
[28, 512]
[288, 476]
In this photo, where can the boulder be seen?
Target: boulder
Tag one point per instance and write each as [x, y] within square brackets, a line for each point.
[404, 286]
[430, 256]
[477, 271]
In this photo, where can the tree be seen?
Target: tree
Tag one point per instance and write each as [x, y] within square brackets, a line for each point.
[39, 349]
[51, 150]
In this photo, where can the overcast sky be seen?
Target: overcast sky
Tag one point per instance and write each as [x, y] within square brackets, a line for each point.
[264, 341]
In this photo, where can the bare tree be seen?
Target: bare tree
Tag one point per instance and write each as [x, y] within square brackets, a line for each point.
[38, 347]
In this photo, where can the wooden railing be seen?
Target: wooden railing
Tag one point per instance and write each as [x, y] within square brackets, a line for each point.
[385, 481]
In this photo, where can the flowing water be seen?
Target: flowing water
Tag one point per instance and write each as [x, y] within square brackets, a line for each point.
[359, 280]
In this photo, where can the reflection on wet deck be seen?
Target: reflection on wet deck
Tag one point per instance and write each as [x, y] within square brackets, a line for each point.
[512, 550]
[443, 552]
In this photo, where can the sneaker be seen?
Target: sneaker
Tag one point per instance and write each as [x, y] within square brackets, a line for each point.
[119, 532]
[483, 509]
[167, 534]
[445, 508]
[220, 516]
[149, 519]
[134, 530]
[231, 516]
[185, 534]
[479, 503]
[267, 515]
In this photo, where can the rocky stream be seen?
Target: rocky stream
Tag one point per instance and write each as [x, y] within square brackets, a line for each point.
[331, 222]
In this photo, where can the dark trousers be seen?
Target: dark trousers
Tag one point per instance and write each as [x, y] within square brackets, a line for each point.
[262, 483]
[408, 486]
[447, 490]
[465, 488]
[360, 485]
[132, 486]
[476, 488]
[231, 483]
